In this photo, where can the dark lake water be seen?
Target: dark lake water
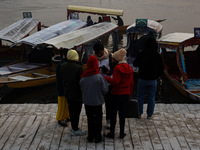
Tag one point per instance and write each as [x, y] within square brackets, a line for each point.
[166, 93]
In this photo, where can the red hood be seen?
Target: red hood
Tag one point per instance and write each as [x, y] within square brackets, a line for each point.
[92, 67]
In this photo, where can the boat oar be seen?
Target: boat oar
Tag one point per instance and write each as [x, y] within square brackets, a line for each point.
[161, 20]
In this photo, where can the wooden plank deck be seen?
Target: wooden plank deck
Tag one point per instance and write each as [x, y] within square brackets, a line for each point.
[34, 126]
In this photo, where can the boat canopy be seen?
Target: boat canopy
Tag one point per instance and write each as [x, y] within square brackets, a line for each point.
[93, 10]
[174, 40]
[52, 31]
[18, 30]
[82, 36]
[151, 26]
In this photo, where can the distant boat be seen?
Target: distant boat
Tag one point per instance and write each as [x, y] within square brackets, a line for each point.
[181, 55]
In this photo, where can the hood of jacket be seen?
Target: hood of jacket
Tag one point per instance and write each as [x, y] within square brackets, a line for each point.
[92, 67]
[124, 67]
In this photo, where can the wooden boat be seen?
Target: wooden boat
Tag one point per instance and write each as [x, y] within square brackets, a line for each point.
[82, 38]
[105, 13]
[181, 55]
[122, 29]
[8, 36]
[136, 31]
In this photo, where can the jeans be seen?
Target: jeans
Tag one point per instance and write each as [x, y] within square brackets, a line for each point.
[148, 87]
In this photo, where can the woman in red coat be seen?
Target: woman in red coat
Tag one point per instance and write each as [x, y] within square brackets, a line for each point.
[122, 88]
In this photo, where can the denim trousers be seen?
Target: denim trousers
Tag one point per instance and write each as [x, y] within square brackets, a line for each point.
[146, 88]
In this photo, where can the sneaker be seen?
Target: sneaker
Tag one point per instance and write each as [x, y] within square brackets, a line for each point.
[150, 117]
[78, 132]
[109, 135]
[107, 124]
[121, 136]
[62, 123]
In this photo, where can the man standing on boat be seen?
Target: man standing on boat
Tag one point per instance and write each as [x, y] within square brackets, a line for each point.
[119, 21]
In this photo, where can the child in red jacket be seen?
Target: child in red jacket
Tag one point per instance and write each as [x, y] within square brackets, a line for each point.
[122, 88]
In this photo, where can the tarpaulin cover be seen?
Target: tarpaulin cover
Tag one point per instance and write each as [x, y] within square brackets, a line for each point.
[52, 31]
[18, 30]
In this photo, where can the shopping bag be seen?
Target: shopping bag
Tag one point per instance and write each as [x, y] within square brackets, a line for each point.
[132, 110]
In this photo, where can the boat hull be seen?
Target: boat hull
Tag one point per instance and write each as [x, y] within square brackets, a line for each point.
[192, 94]
[34, 78]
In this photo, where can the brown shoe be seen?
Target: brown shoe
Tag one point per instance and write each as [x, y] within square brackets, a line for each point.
[150, 117]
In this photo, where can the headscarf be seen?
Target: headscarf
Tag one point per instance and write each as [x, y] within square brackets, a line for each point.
[119, 55]
[92, 67]
[72, 55]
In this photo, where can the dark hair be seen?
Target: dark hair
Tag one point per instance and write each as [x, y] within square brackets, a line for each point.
[98, 47]
[150, 45]
[88, 17]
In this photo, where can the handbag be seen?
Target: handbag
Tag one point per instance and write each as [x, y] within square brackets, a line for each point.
[132, 110]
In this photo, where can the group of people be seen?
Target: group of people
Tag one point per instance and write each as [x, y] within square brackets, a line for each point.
[108, 78]
[105, 18]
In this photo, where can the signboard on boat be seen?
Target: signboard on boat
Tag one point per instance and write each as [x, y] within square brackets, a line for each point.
[197, 32]
[141, 22]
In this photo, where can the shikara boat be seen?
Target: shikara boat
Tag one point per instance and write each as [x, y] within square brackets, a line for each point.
[52, 32]
[8, 36]
[105, 13]
[82, 38]
[181, 55]
[135, 31]
[37, 38]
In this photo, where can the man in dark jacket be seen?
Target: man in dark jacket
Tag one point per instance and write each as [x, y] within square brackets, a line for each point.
[70, 73]
[151, 67]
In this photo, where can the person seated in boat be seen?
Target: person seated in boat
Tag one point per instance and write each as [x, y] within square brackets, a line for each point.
[119, 21]
[89, 21]
[100, 19]
[74, 15]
